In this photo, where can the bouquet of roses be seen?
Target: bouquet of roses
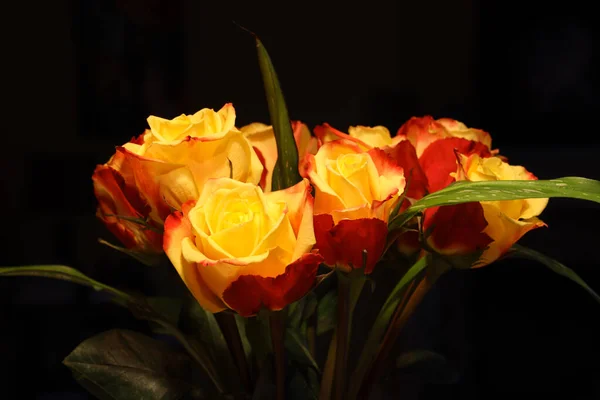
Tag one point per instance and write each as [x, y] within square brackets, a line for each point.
[275, 234]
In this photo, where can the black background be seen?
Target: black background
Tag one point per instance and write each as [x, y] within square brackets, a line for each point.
[82, 76]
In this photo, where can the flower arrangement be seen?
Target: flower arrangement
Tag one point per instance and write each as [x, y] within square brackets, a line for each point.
[275, 233]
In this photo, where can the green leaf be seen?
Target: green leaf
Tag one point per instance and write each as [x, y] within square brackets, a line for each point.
[297, 346]
[259, 335]
[139, 307]
[303, 385]
[265, 388]
[285, 172]
[299, 311]
[168, 307]
[203, 328]
[467, 192]
[327, 313]
[65, 273]
[375, 336]
[121, 364]
[523, 252]
[150, 260]
[429, 366]
[241, 324]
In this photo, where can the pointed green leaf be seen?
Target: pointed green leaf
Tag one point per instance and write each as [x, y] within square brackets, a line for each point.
[121, 364]
[524, 252]
[467, 192]
[168, 307]
[299, 311]
[150, 260]
[297, 347]
[375, 336]
[303, 385]
[65, 273]
[285, 173]
[259, 335]
[241, 324]
[202, 326]
[327, 313]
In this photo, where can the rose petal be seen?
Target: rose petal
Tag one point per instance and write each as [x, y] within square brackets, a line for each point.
[265, 179]
[249, 293]
[391, 174]
[421, 132]
[305, 141]
[505, 231]
[295, 198]
[116, 198]
[262, 139]
[457, 229]
[146, 173]
[375, 136]
[405, 155]
[325, 133]
[177, 229]
[438, 160]
[345, 242]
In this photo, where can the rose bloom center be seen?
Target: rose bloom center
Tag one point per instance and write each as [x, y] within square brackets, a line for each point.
[349, 164]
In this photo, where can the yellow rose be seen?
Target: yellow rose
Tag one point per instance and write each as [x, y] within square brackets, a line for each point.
[351, 183]
[204, 123]
[240, 248]
[507, 220]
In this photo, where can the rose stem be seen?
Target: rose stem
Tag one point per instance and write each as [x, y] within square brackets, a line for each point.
[226, 321]
[342, 331]
[311, 334]
[276, 323]
[407, 306]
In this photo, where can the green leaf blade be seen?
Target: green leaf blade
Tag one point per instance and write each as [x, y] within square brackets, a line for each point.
[285, 172]
[375, 335]
[468, 192]
[62, 272]
[121, 364]
[526, 253]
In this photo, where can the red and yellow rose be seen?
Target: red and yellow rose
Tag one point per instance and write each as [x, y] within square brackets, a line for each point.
[239, 248]
[167, 166]
[355, 191]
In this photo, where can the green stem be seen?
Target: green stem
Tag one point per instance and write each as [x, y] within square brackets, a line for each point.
[413, 297]
[311, 334]
[229, 328]
[328, 370]
[342, 333]
[277, 326]
[380, 326]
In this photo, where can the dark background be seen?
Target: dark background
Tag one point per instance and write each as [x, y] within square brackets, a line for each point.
[82, 76]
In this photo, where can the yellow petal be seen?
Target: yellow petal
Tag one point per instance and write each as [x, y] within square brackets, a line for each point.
[178, 187]
[505, 231]
[295, 198]
[325, 197]
[177, 232]
[377, 136]
[262, 137]
[346, 190]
